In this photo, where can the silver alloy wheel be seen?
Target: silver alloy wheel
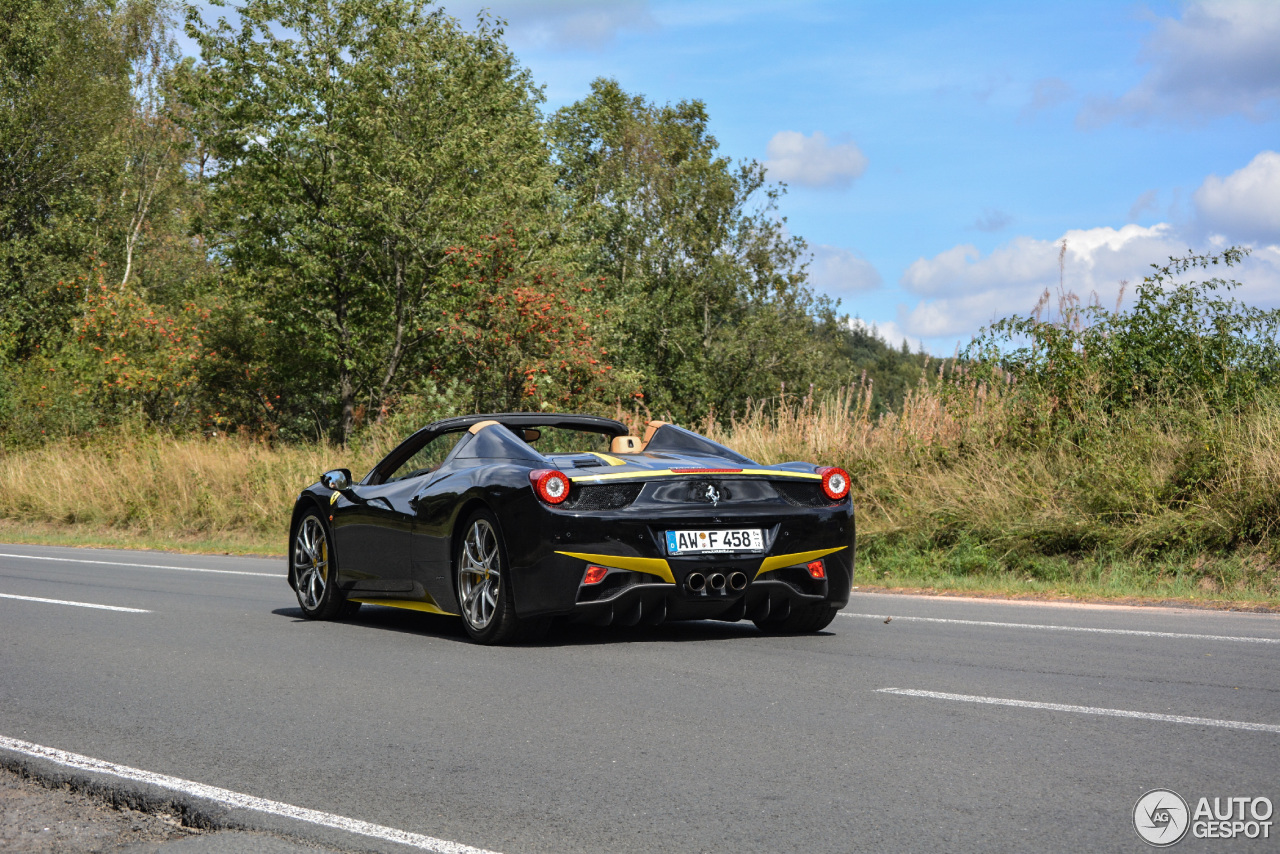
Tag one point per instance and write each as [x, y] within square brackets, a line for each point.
[479, 575]
[311, 562]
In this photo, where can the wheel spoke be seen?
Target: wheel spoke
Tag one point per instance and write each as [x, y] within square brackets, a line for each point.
[479, 574]
[308, 538]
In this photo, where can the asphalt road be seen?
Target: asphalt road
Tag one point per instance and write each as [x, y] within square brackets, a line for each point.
[698, 737]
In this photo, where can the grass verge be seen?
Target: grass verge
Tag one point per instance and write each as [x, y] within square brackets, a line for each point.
[81, 536]
[1237, 583]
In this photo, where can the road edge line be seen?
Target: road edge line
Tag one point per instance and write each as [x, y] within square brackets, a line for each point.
[1052, 628]
[1081, 710]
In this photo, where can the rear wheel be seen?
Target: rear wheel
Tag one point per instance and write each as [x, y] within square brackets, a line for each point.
[802, 620]
[315, 570]
[483, 585]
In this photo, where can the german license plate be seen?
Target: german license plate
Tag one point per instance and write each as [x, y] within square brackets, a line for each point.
[714, 542]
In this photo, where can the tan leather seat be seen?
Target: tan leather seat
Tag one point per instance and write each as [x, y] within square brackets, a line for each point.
[624, 445]
[649, 430]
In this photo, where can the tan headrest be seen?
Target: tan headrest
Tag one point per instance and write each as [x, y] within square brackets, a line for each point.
[480, 425]
[624, 445]
[651, 428]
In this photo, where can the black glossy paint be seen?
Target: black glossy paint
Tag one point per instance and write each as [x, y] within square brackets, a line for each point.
[396, 539]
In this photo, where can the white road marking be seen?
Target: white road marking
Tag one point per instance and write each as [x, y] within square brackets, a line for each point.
[77, 604]
[238, 800]
[147, 565]
[1082, 710]
[1135, 632]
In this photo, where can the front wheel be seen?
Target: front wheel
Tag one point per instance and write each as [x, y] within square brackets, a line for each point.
[315, 570]
[483, 585]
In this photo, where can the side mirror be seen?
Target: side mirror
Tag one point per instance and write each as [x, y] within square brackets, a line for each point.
[338, 479]
[531, 434]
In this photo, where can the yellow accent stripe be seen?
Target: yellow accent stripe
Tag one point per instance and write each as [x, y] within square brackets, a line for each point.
[613, 461]
[773, 562]
[408, 604]
[652, 565]
[595, 478]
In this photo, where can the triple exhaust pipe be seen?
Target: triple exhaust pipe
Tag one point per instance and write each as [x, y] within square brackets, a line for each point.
[696, 582]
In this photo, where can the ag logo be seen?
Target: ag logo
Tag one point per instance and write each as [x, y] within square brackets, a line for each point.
[1160, 817]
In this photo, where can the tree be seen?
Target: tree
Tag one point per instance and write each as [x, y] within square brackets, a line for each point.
[705, 290]
[526, 343]
[352, 143]
[65, 73]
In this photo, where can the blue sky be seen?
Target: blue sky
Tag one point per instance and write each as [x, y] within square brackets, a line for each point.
[937, 153]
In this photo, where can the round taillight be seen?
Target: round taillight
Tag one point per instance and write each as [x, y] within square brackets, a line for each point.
[835, 482]
[552, 486]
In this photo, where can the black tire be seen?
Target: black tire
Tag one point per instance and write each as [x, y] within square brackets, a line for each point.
[803, 620]
[486, 603]
[315, 569]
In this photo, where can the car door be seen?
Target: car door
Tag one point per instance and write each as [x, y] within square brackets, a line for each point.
[373, 522]
[434, 504]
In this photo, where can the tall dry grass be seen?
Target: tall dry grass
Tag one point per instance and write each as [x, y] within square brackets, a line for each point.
[954, 466]
[161, 487]
[953, 474]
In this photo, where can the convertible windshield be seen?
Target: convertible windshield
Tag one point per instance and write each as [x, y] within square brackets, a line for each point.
[427, 459]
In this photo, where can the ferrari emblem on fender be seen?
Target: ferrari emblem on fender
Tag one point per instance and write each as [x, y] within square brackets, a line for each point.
[713, 495]
[333, 499]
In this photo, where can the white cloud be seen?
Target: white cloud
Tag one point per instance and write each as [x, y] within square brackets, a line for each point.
[561, 24]
[1246, 203]
[1221, 57]
[965, 290]
[842, 272]
[813, 161]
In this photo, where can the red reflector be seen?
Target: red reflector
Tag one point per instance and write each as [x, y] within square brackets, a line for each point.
[817, 570]
[595, 574]
[706, 471]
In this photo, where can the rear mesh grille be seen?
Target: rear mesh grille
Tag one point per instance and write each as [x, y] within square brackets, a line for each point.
[803, 494]
[612, 496]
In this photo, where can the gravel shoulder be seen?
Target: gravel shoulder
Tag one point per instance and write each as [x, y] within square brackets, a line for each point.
[50, 817]
[42, 820]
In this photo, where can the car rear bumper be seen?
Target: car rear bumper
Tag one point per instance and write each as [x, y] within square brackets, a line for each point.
[645, 584]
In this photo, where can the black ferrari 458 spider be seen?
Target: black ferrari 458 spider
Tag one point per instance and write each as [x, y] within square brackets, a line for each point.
[511, 520]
